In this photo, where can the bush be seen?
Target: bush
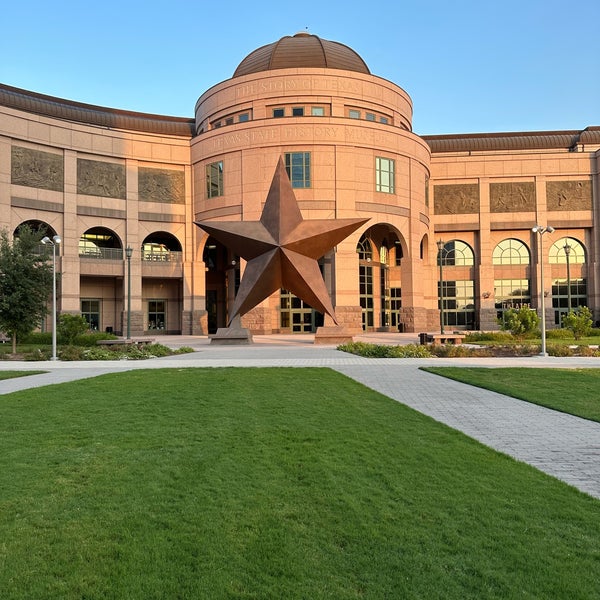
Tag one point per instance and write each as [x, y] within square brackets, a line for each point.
[184, 350]
[488, 336]
[382, 351]
[578, 321]
[37, 338]
[70, 326]
[90, 339]
[458, 351]
[559, 334]
[521, 323]
[594, 332]
[71, 353]
[560, 351]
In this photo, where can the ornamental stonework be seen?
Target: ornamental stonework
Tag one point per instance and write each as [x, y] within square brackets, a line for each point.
[456, 199]
[36, 168]
[512, 197]
[569, 195]
[161, 185]
[97, 178]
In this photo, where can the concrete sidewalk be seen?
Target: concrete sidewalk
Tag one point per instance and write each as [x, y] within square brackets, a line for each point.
[561, 445]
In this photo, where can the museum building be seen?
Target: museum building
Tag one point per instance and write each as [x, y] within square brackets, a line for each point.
[451, 217]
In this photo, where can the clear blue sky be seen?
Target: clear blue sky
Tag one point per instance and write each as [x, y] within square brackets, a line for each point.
[469, 66]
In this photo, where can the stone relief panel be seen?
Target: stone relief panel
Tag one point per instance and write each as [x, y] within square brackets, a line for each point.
[569, 195]
[512, 197]
[38, 169]
[456, 199]
[161, 185]
[97, 178]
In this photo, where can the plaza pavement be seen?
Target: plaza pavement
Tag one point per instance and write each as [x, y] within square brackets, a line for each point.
[561, 445]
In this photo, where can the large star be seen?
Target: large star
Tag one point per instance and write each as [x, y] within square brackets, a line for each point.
[282, 249]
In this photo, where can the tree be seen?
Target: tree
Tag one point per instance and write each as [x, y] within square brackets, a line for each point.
[25, 283]
[520, 322]
[579, 321]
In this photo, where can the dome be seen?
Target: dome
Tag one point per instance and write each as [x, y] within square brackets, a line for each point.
[302, 50]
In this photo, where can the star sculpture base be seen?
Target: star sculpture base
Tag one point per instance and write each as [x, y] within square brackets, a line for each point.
[234, 335]
[333, 335]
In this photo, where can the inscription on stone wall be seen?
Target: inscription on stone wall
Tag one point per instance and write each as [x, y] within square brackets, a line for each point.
[37, 169]
[97, 178]
[569, 195]
[288, 84]
[512, 197]
[161, 185]
[456, 199]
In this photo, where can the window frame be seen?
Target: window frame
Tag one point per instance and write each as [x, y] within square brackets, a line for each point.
[382, 174]
[297, 166]
[215, 184]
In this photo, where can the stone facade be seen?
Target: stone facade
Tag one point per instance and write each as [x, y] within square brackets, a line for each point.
[107, 181]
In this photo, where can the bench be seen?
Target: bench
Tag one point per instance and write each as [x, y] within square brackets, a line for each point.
[124, 342]
[437, 339]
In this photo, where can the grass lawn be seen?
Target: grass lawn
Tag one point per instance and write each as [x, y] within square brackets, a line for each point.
[13, 374]
[271, 484]
[573, 391]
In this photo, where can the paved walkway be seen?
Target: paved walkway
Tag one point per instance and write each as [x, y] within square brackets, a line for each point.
[561, 445]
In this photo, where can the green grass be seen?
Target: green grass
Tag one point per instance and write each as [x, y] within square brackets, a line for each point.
[573, 391]
[13, 374]
[271, 484]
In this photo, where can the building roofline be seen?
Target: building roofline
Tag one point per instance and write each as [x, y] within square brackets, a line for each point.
[90, 114]
[517, 140]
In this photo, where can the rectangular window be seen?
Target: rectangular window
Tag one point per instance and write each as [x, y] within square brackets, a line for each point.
[317, 111]
[157, 313]
[229, 121]
[297, 165]
[370, 117]
[298, 111]
[278, 113]
[385, 176]
[90, 311]
[244, 117]
[354, 114]
[214, 179]
[383, 120]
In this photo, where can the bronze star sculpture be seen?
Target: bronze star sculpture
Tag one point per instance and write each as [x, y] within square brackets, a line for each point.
[282, 249]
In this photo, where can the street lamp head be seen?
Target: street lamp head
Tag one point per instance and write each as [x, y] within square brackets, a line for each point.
[128, 252]
[57, 239]
[567, 248]
[46, 240]
[541, 230]
[440, 245]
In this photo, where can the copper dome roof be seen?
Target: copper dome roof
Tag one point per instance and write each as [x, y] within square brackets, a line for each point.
[302, 50]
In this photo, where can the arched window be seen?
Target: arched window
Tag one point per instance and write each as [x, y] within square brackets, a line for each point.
[569, 285]
[364, 249]
[457, 253]
[557, 254]
[511, 252]
[99, 242]
[161, 246]
[36, 226]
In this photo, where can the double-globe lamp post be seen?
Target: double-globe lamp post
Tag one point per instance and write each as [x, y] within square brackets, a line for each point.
[441, 244]
[567, 250]
[128, 253]
[541, 230]
[54, 242]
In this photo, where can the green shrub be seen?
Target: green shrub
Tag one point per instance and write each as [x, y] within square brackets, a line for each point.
[383, 351]
[90, 339]
[156, 350]
[184, 350]
[71, 353]
[101, 353]
[559, 334]
[594, 332]
[560, 350]
[38, 338]
[458, 351]
[69, 327]
[488, 336]
[579, 321]
[38, 354]
[522, 322]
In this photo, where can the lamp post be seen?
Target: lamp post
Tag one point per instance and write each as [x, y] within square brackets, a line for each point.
[440, 245]
[54, 242]
[541, 231]
[128, 253]
[567, 250]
